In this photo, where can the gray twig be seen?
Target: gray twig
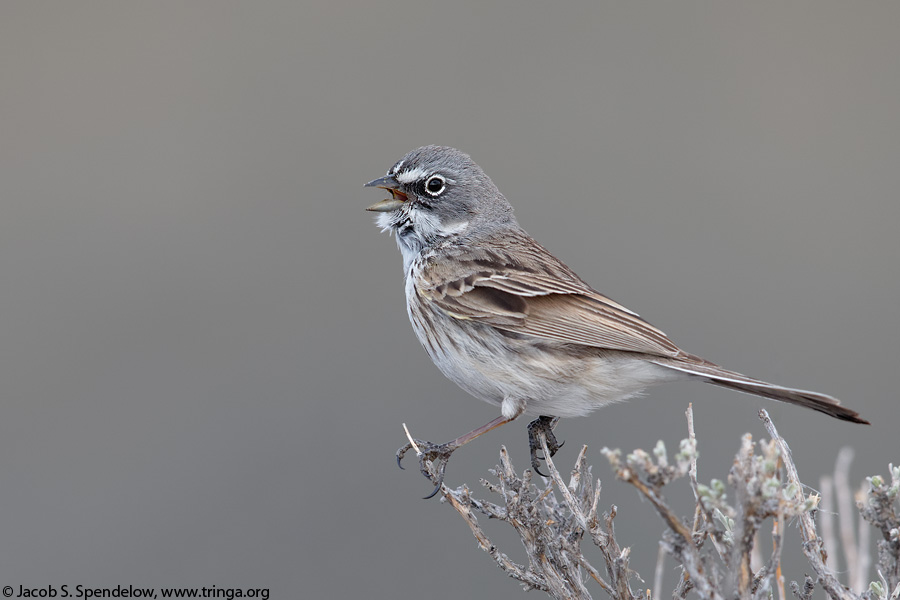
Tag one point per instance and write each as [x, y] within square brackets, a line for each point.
[555, 517]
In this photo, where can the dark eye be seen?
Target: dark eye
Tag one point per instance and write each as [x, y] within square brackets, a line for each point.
[435, 185]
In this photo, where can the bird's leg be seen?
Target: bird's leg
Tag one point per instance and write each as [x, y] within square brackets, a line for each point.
[439, 454]
[542, 425]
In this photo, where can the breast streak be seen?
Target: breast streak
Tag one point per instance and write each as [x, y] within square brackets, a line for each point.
[563, 380]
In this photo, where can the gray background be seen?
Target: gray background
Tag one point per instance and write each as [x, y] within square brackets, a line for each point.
[205, 356]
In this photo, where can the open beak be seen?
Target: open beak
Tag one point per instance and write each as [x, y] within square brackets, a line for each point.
[388, 204]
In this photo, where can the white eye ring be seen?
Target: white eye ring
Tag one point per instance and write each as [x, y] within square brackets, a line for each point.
[435, 185]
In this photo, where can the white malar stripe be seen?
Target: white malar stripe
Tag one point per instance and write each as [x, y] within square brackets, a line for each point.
[384, 221]
[411, 175]
[425, 224]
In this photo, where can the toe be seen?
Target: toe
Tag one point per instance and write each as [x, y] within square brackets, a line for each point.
[401, 452]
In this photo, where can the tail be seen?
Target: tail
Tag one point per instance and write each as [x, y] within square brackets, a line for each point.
[716, 375]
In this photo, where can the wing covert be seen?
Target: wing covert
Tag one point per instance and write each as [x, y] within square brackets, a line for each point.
[541, 298]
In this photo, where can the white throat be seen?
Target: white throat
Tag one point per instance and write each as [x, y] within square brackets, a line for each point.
[416, 230]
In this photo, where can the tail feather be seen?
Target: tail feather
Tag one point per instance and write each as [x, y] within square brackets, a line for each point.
[716, 375]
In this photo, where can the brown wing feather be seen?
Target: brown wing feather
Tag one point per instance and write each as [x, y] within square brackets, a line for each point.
[535, 294]
[587, 320]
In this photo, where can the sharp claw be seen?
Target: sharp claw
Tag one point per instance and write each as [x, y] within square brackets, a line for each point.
[437, 488]
[535, 461]
[401, 453]
[439, 455]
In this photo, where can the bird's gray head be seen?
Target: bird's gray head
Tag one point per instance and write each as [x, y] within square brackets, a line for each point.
[438, 193]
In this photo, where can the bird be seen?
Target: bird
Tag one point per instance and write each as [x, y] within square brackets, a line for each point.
[511, 324]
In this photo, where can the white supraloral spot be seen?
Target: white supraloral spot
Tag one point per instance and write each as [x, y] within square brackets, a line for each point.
[411, 175]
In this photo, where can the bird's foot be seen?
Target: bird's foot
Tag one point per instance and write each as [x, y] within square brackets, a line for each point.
[437, 454]
[543, 425]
